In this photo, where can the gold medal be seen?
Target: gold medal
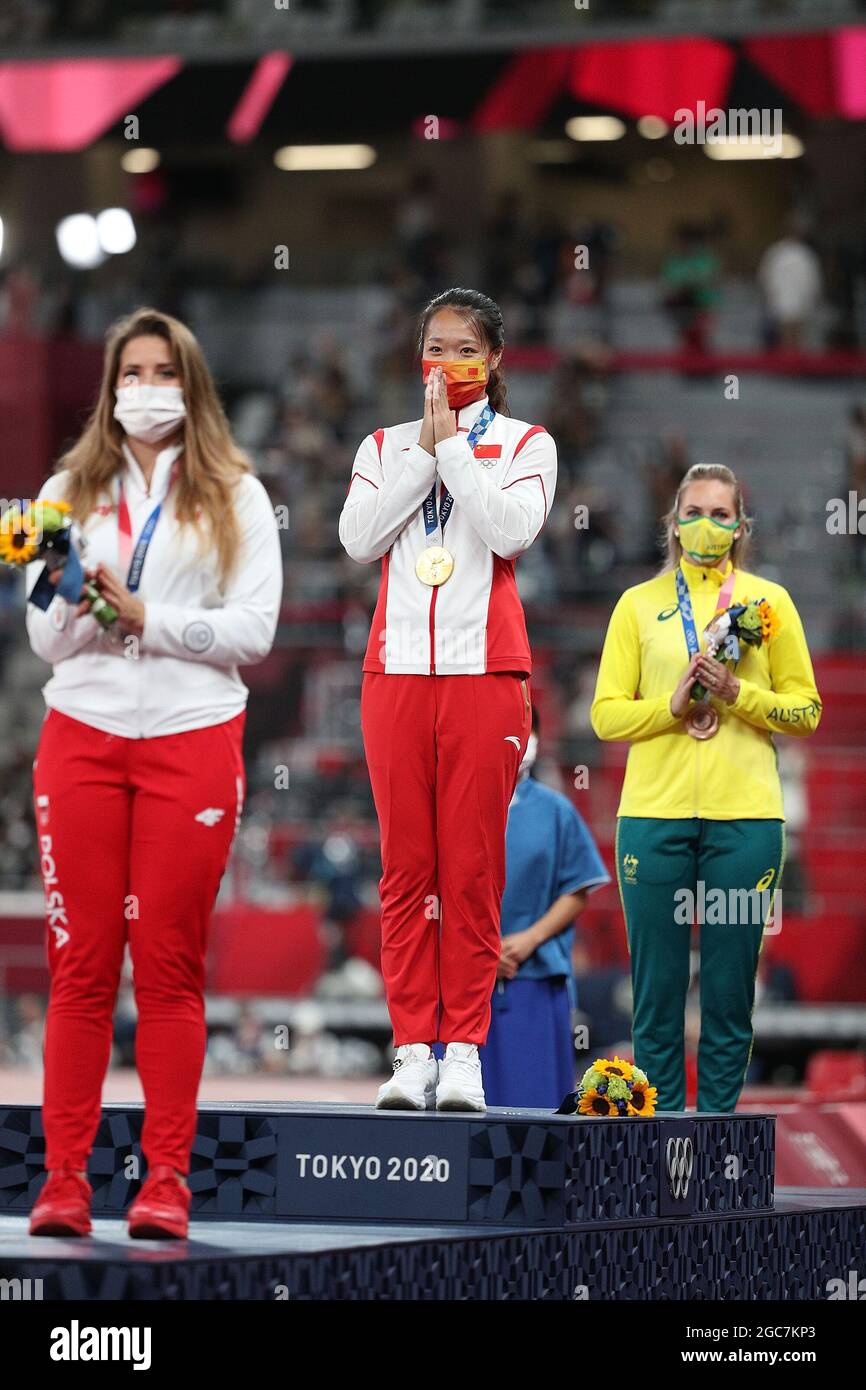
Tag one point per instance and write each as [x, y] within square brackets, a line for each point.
[434, 565]
[702, 720]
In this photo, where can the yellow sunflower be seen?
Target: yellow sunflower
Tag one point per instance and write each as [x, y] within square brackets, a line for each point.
[618, 1067]
[769, 620]
[19, 538]
[642, 1100]
[591, 1103]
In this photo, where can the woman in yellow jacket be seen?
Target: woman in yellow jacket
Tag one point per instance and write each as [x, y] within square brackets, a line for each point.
[700, 830]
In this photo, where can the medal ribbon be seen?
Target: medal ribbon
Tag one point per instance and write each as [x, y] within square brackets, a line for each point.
[136, 557]
[432, 521]
[685, 607]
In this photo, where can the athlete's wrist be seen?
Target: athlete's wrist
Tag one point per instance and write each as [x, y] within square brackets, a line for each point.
[132, 620]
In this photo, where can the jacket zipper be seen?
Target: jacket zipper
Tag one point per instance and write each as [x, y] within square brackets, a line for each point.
[432, 616]
[433, 632]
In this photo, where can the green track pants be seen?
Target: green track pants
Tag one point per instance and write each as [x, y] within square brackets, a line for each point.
[728, 871]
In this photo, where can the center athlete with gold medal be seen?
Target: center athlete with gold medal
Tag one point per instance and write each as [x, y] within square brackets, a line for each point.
[447, 504]
[702, 667]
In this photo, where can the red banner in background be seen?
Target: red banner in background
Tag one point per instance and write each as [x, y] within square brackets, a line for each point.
[653, 77]
[68, 103]
[47, 387]
[801, 66]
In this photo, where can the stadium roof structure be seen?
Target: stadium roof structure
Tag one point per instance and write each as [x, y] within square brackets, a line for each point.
[68, 103]
[229, 30]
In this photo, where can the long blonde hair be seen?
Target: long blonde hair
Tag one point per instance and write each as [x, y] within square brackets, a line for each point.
[700, 473]
[211, 463]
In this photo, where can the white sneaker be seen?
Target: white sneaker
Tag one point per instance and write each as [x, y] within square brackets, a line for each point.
[413, 1085]
[460, 1085]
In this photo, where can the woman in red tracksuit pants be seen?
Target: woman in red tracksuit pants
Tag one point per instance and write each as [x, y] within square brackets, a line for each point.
[447, 503]
[139, 775]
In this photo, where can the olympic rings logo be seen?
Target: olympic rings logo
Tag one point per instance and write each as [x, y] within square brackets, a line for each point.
[679, 1161]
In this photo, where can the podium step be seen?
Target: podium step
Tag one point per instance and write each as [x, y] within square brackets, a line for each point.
[342, 1163]
[326, 1201]
[805, 1249]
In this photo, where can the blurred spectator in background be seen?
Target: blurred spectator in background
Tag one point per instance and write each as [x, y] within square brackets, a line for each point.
[24, 1047]
[17, 843]
[599, 239]
[604, 1005]
[663, 475]
[507, 242]
[19, 301]
[522, 263]
[552, 865]
[577, 723]
[420, 233]
[855, 481]
[793, 770]
[393, 344]
[335, 868]
[573, 414]
[791, 282]
[690, 275]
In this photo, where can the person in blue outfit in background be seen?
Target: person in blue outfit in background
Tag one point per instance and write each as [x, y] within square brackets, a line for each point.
[551, 866]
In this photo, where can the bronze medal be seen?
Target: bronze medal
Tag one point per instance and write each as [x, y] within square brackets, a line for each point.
[701, 720]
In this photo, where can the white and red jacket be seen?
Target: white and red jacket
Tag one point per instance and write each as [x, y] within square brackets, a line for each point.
[183, 672]
[474, 622]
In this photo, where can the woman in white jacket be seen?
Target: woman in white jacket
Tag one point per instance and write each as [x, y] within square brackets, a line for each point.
[139, 775]
[447, 504]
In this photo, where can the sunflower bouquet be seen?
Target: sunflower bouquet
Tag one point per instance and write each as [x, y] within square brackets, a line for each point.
[750, 624]
[614, 1090]
[44, 530]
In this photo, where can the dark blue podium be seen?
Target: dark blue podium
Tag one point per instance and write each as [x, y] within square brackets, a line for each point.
[334, 1201]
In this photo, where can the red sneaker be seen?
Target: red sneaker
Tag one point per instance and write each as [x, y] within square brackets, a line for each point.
[63, 1206]
[161, 1208]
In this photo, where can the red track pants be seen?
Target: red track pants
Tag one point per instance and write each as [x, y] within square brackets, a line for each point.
[133, 835]
[443, 754]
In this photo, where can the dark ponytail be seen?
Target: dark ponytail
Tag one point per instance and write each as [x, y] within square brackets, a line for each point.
[484, 315]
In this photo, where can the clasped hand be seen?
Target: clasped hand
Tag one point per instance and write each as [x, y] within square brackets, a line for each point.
[438, 422]
[718, 679]
[515, 948]
[129, 609]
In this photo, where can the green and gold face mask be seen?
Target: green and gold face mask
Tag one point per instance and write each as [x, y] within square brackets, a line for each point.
[704, 540]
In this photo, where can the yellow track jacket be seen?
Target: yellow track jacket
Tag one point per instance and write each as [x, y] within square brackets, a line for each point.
[669, 775]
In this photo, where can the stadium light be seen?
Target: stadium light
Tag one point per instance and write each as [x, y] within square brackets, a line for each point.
[789, 147]
[78, 241]
[652, 127]
[296, 158]
[595, 128]
[116, 231]
[141, 160]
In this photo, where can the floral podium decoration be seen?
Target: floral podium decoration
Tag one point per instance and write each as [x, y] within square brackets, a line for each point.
[612, 1090]
[44, 530]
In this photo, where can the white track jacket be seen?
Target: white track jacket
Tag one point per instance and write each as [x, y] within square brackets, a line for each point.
[183, 671]
[474, 622]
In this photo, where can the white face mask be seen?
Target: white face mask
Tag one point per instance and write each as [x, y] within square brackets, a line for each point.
[149, 413]
[529, 755]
